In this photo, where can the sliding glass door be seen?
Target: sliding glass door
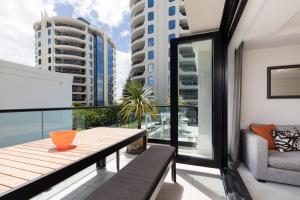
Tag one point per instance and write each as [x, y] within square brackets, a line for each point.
[196, 99]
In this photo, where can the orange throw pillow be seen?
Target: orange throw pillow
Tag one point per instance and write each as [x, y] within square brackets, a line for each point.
[265, 131]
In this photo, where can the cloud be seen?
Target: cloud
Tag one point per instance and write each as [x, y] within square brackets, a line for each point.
[123, 69]
[17, 35]
[110, 12]
[125, 33]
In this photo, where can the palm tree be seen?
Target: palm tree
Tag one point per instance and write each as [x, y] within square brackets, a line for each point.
[137, 100]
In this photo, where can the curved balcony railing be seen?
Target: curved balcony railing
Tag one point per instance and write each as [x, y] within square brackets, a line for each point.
[138, 25]
[70, 62]
[73, 53]
[136, 38]
[82, 37]
[79, 80]
[70, 71]
[74, 44]
[137, 50]
[137, 62]
[69, 25]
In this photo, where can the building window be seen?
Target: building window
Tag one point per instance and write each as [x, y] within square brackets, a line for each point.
[49, 50]
[39, 52]
[49, 31]
[49, 59]
[150, 3]
[91, 64]
[172, 10]
[90, 38]
[150, 16]
[39, 34]
[40, 61]
[150, 80]
[91, 88]
[150, 29]
[91, 97]
[91, 72]
[90, 47]
[91, 56]
[171, 0]
[150, 42]
[150, 67]
[49, 68]
[39, 44]
[49, 41]
[150, 55]
[91, 80]
[171, 36]
[172, 24]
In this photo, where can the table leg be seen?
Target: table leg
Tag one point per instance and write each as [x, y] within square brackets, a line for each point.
[101, 163]
[144, 142]
[174, 170]
[118, 160]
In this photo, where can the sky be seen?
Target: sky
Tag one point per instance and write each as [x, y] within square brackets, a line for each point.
[17, 34]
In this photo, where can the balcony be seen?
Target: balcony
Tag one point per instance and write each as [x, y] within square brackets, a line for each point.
[78, 89]
[58, 24]
[69, 70]
[78, 97]
[77, 36]
[66, 52]
[78, 80]
[69, 62]
[69, 43]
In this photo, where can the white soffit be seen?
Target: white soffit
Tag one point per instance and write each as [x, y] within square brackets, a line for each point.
[204, 15]
[277, 23]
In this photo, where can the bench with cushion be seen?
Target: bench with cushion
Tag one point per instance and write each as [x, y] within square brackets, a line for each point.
[141, 178]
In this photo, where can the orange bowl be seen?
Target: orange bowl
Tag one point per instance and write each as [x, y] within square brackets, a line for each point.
[62, 139]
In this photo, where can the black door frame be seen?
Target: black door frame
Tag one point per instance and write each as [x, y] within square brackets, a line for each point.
[218, 80]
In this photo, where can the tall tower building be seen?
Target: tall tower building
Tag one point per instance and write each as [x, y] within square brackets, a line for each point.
[153, 24]
[73, 46]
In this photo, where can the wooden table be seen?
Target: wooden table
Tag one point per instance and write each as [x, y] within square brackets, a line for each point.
[31, 168]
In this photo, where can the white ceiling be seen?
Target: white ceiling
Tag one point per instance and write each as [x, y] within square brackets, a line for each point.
[277, 23]
[204, 15]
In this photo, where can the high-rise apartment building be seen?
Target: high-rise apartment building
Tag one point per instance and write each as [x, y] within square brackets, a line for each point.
[153, 24]
[73, 46]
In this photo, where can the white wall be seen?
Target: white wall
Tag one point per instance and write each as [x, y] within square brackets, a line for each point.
[23, 86]
[256, 108]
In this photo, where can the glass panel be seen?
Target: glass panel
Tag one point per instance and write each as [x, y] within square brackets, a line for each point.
[195, 90]
[20, 127]
[158, 126]
[56, 120]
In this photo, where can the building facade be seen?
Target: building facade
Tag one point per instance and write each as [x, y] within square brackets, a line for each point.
[73, 46]
[153, 24]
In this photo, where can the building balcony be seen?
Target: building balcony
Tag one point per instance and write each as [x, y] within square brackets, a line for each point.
[70, 34]
[65, 25]
[78, 89]
[136, 26]
[138, 52]
[69, 39]
[137, 14]
[70, 70]
[69, 62]
[137, 7]
[78, 97]
[138, 20]
[78, 80]
[138, 76]
[69, 43]
[137, 32]
[67, 52]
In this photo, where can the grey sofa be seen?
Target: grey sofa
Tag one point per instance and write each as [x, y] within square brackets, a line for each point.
[270, 165]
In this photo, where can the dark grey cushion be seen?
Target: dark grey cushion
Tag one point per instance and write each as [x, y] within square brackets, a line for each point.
[137, 180]
[285, 160]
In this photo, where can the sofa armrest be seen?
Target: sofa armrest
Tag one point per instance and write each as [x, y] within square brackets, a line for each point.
[255, 154]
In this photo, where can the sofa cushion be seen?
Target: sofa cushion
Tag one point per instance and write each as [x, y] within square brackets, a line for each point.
[265, 131]
[287, 140]
[286, 127]
[285, 160]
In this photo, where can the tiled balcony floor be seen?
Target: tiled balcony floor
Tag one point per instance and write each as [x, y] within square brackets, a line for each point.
[192, 183]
